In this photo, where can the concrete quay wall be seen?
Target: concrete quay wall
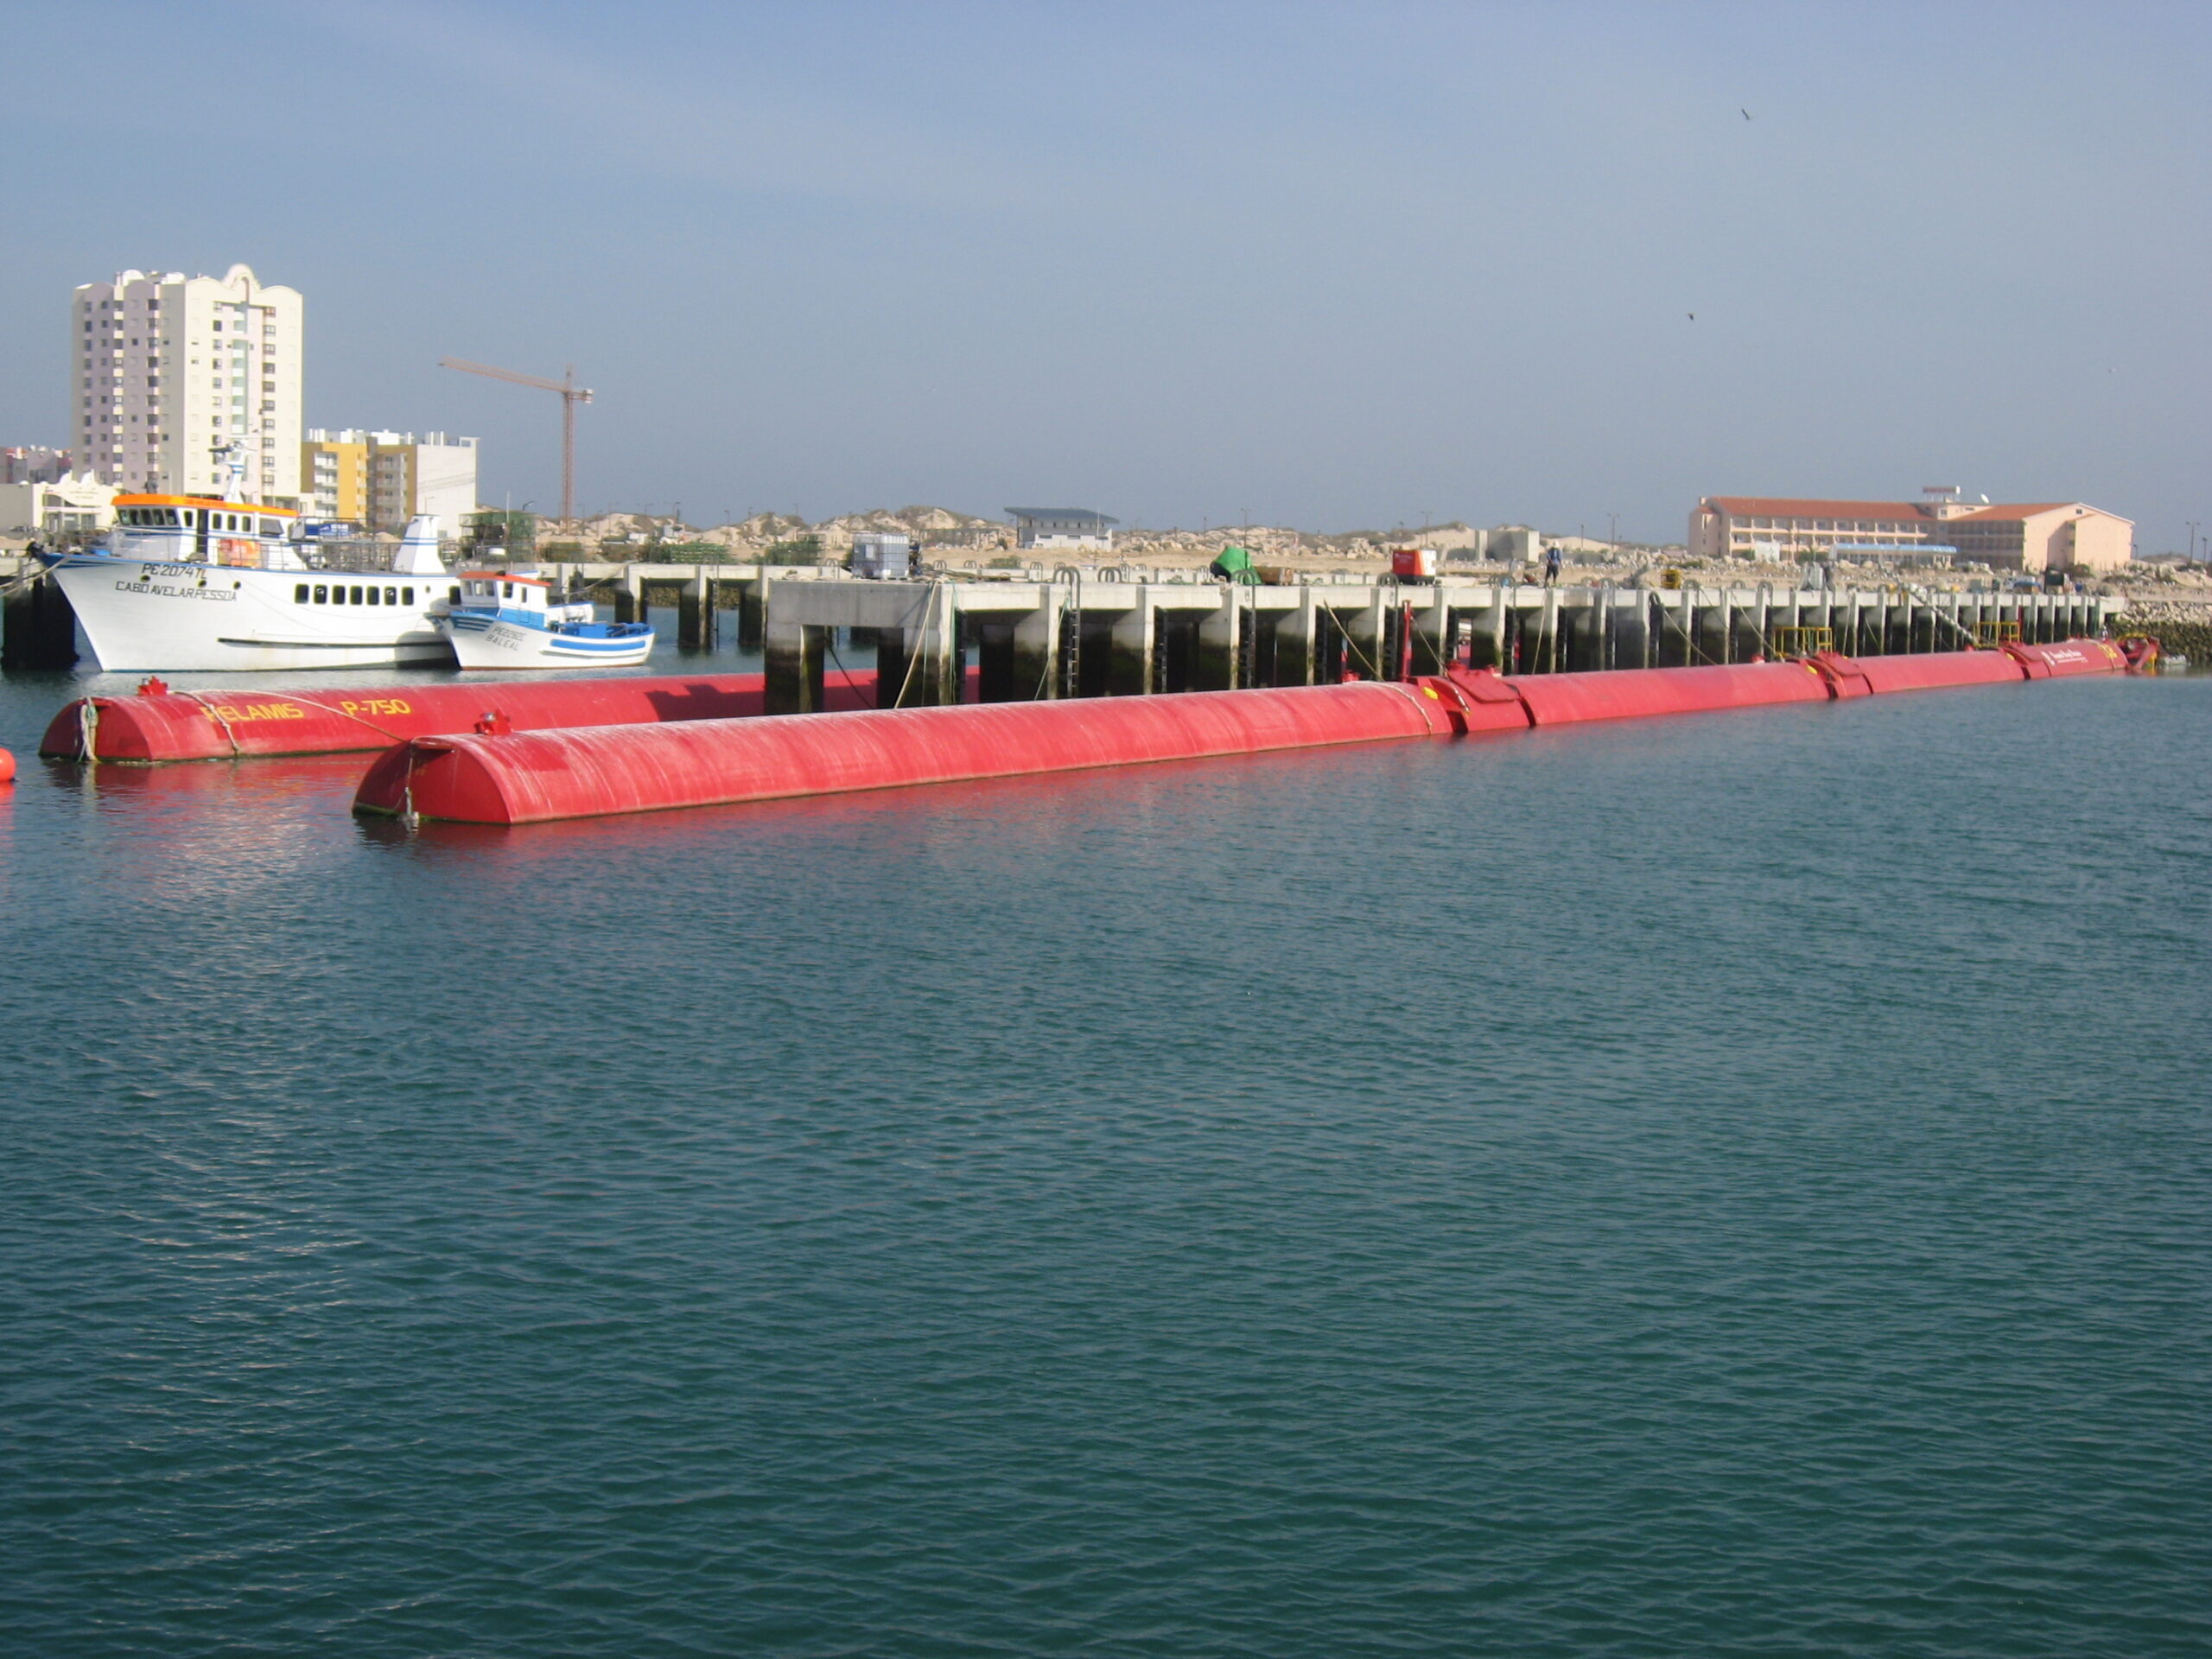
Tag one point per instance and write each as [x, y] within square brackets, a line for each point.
[1085, 637]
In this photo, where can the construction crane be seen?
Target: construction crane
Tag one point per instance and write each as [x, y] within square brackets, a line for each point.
[571, 395]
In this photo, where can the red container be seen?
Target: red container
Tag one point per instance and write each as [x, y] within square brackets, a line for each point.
[167, 724]
[533, 776]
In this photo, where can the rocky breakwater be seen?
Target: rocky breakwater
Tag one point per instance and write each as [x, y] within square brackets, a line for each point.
[2183, 627]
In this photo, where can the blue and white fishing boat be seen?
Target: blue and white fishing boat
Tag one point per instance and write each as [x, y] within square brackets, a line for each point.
[504, 619]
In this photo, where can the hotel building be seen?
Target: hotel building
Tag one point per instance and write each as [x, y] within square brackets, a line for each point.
[2019, 536]
[172, 376]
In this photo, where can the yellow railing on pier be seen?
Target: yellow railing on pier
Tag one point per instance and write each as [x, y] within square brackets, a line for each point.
[1800, 642]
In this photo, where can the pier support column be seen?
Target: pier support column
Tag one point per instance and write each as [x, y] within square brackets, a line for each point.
[1666, 619]
[1548, 647]
[1632, 630]
[794, 668]
[1434, 633]
[1221, 638]
[695, 629]
[1295, 633]
[1367, 636]
[1488, 648]
[752, 612]
[1710, 628]
[39, 629]
[1131, 673]
[1037, 648]
[924, 664]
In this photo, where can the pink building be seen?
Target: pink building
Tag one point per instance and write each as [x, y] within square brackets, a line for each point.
[2021, 536]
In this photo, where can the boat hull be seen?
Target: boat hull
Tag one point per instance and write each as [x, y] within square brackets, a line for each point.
[144, 616]
[481, 642]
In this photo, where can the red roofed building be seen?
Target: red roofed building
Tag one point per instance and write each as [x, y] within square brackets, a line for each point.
[2030, 536]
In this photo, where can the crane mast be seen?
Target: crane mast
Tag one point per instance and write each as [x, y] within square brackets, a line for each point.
[571, 395]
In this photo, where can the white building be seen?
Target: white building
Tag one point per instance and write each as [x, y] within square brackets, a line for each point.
[73, 501]
[171, 375]
[1076, 527]
[33, 464]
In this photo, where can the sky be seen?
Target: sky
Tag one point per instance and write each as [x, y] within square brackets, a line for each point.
[1332, 266]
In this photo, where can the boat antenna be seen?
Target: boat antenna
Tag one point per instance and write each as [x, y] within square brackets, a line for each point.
[230, 457]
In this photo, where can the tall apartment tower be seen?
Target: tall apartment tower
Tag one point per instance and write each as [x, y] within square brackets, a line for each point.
[173, 376]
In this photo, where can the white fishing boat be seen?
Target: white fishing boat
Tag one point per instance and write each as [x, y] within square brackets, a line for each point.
[502, 619]
[192, 584]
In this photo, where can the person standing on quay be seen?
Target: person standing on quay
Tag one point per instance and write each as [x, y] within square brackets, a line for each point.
[1551, 566]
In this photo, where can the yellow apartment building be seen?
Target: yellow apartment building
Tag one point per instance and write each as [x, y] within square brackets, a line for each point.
[384, 479]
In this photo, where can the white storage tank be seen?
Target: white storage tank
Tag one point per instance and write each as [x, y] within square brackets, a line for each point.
[881, 553]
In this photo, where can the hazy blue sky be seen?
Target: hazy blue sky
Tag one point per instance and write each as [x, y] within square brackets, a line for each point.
[1329, 264]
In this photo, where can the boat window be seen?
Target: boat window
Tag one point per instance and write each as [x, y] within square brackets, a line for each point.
[392, 596]
[322, 595]
[407, 595]
[271, 527]
[455, 594]
[375, 597]
[357, 596]
[338, 595]
[299, 595]
[506, 590]
[167, 516]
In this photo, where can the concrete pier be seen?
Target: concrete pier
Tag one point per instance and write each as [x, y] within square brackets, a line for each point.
[1091, 635]
[38, 629]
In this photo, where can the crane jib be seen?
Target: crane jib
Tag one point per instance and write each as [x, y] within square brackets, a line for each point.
[571, 395]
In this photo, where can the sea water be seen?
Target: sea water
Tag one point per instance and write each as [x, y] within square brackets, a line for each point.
[1728, 1184]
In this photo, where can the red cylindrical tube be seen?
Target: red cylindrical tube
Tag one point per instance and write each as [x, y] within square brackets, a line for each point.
[168, 725]
[531, 778]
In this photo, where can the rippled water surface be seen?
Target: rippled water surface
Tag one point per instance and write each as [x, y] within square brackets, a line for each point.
[1732, 1184]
